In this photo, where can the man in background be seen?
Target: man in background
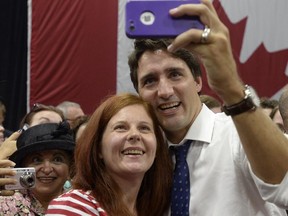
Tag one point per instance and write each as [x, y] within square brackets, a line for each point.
[71, 110]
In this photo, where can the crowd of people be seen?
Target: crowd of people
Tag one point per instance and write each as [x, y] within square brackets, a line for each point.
[275, 109]
[167, 151]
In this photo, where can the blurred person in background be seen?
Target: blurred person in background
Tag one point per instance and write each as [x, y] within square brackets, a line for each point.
[268, 104]
[4, 133]
[40, 114]
[79, 125]
[283, 108]
[49, 149]
[71, 110]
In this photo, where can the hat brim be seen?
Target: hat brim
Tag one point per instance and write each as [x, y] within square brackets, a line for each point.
[20, 154]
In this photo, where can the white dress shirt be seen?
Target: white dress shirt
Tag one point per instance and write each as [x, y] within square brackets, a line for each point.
[221, 180]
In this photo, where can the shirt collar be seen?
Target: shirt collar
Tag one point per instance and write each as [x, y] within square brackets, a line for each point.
[202, 127]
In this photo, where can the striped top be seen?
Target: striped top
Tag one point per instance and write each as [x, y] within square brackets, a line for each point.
[75, 203]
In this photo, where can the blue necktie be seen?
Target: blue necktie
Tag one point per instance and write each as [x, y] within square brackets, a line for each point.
[181, 182]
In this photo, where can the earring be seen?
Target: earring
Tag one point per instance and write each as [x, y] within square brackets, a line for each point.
[67, 186]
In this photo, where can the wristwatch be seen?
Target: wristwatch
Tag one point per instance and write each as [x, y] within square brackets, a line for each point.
[250, 102]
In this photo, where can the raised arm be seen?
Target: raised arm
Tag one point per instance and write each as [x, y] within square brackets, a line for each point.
[265, 145]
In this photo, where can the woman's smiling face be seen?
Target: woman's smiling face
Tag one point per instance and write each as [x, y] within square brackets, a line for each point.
[52, 170]
[129, 143]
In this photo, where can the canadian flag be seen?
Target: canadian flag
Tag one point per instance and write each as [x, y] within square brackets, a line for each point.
[78, 49]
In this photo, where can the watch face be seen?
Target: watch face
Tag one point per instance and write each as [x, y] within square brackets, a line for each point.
[253, 94]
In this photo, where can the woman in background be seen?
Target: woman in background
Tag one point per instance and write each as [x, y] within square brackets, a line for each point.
[49, 149]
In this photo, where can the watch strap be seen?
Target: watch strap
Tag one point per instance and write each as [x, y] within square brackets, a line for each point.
[245, 105]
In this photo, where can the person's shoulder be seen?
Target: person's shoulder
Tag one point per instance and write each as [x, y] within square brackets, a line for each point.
[225, 128]
[209, 115]
[223, 118]
[76, 194]
[76, 200]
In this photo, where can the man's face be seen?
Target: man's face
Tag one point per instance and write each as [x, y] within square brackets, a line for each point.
[168, 84]
[73, 113]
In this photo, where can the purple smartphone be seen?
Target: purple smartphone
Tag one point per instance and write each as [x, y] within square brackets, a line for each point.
[151, 19]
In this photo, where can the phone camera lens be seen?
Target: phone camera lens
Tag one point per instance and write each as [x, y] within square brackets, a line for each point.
[131, 26]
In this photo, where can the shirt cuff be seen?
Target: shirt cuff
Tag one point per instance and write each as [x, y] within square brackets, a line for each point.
[274, 193]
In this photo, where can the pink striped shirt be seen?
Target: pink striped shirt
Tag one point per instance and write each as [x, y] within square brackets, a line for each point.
[75, 203]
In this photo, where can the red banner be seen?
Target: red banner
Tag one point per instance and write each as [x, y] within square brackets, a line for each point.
[73, 51]
[76, 48]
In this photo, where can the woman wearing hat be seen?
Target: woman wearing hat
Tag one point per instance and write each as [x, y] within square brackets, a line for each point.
[49, 149]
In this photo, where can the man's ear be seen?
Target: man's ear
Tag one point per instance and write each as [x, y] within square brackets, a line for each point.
[198, 81]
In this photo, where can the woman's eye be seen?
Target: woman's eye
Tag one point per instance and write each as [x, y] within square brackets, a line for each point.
[120, 127]
[36, 160]
[58, 159]
[145, 128]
